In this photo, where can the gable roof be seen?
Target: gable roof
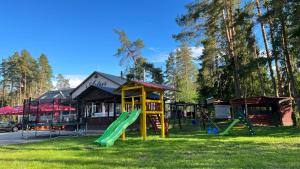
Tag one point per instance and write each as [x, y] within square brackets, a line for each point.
[57, 94]
[109, 90]
[115, 79]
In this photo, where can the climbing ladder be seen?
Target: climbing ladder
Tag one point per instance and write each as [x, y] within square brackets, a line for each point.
[156, 125]
[240, 118]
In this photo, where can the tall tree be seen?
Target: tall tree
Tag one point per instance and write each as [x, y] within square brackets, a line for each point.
[264, 35]
[129, 51]
[230, 63]
[275, 51]
[44, 75]
[171, 75]
[187, 72]
[62, 82]
[22, 76]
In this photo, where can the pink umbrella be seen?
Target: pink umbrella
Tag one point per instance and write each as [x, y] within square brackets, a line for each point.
[44, 107]
[5, 110]
[56, 107]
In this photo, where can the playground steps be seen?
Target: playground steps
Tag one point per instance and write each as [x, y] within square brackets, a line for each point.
[246, 122]
[156, 125]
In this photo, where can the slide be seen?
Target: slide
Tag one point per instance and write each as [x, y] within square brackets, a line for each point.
[240, 118]
[112, 127]
[110, 139]
[226, 131]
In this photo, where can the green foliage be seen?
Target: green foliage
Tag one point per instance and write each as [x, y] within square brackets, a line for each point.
[24, 77]
[145, 71]
[62, 82]
[171, 76]
[129, 51]
[231, 64]
[45, 73]
[137, 67]
[186, 73]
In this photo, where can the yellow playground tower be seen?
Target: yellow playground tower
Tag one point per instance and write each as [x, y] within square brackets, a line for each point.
[136, 94]
[139, 99]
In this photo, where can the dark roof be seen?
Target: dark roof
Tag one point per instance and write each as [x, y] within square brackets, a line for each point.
[107, 89]
[259, 100]
[116, 79]
[147, 84]
[57, 94]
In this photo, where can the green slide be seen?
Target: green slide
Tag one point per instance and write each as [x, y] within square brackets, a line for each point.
[240, 118]
[110, 139]
[226, 131]
[112, 127]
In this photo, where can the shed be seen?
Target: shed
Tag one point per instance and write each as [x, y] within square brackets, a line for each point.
[265, 110]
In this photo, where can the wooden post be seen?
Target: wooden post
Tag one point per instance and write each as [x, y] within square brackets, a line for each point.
[114, 109]
[162, 117]
[144, 124]
[132, 103]
[108, 121]
[123, 110]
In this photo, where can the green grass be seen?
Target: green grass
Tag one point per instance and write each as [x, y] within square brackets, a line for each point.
[188, 148]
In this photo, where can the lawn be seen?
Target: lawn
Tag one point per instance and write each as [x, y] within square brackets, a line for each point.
[188, 148]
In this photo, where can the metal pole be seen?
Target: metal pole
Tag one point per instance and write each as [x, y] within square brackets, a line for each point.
[29, 104]
[36, 117]
[23, 114]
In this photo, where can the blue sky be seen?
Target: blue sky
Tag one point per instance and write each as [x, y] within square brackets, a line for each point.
[77, 35]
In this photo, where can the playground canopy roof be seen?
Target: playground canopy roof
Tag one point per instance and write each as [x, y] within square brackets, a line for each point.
[147, 85]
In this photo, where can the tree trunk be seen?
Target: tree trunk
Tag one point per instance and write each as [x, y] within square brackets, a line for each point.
[275, 54]
[11, 93]
[3, 94]
[289, 65]
[20, 91]
[261, 81]
[267, 50]
[230, 34]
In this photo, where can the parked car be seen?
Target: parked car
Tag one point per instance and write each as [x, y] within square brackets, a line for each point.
[9, 126]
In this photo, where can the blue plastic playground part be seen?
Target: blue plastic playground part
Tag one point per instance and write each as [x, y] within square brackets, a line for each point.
[194, 122]
[212, 130]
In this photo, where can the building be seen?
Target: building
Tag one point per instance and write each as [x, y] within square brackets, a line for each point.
[222, 109]
[97, 98]
[267, 110]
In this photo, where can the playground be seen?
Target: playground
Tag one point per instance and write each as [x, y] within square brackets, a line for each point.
[143, 133]
[187, 148]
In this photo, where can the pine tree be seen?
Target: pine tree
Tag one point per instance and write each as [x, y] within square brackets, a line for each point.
[171, 76]
[187, 72]
[44, 75]
[129, 51]
[62, 82]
